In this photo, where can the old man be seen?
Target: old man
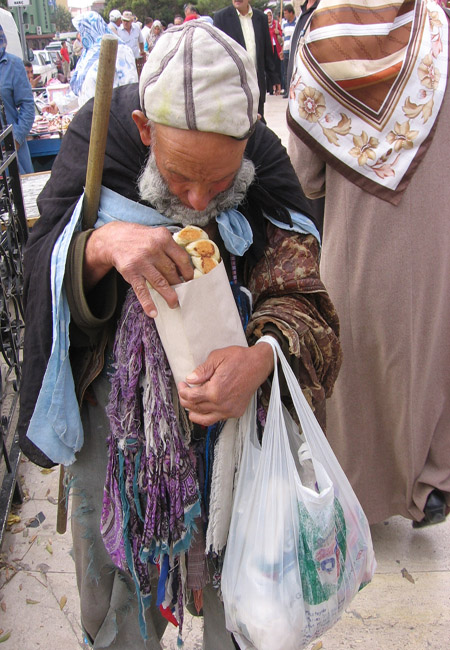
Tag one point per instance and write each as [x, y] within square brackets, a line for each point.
[184, 148]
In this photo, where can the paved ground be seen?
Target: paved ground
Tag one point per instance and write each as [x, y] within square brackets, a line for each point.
[407, 605]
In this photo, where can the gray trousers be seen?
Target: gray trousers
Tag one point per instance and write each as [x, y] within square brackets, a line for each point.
[109, 609]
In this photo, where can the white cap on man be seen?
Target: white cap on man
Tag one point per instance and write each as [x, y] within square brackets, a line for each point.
[198, 78]
[114, 15]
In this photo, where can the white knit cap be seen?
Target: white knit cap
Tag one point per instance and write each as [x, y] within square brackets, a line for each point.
[114, 15]
[198, 78]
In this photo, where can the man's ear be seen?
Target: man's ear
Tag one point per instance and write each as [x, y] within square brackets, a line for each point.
[144, 127]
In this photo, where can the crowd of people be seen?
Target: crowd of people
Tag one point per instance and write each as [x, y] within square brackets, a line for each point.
[334, 239]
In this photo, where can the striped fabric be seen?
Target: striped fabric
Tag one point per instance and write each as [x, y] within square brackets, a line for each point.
[367, 86]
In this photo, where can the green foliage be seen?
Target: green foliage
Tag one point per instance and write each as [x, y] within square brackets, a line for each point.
[63, 19]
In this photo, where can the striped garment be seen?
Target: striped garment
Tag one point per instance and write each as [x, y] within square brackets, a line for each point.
[288, 31]
[368, 82]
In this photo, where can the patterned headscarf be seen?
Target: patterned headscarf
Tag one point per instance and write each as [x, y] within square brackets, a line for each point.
[3, 42]
[92, 28]
[368, 82]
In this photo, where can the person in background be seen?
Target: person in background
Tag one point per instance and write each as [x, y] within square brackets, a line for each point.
[17, 96]
[276, 39]
[115, 21]
[35, 80]
[155, 33]
[177, 19]
[250, 29]
[131, 35]
[288, 31]
[371, 138]
[92, 27]
[190, 13]
[65, 56]
[77, 48]
[145, 31]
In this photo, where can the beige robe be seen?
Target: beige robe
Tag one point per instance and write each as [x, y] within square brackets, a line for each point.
[387, 270]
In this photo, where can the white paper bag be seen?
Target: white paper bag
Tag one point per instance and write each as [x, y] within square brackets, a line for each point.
[207, 319]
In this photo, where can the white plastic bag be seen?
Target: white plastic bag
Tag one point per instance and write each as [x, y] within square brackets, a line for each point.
[298, 549]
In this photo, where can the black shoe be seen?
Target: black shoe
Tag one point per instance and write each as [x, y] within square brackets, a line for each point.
[434, 510]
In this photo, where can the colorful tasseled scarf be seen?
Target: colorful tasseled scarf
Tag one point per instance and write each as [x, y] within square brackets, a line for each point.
[151, 495]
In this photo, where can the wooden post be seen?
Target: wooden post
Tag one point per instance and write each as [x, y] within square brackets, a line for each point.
[94, 173]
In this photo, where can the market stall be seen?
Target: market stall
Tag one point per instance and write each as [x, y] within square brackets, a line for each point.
[55, 108]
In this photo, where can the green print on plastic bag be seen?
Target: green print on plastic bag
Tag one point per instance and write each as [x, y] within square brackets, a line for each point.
[322, 551]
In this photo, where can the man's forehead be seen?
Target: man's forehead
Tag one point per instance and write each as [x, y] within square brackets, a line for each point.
[204, 149]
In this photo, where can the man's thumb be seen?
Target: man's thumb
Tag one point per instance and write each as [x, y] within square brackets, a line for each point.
[201, 374]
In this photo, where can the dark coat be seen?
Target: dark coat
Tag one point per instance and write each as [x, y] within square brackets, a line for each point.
[228, 21]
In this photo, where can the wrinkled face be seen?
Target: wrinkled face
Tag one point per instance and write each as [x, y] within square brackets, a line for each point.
[189, 176]
[196, 166]
[242, 6]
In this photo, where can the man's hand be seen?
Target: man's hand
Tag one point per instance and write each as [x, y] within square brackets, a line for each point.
[140, 254]
[221, 387]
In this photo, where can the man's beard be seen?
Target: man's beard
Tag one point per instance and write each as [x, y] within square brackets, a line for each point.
[154, 189]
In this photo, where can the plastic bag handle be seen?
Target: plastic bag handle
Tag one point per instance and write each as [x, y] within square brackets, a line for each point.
[304, 412]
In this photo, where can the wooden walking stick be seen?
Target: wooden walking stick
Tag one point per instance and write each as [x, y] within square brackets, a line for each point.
[94, 172]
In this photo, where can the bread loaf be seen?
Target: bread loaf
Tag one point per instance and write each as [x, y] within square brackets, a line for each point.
[203, 251]
[189, 234]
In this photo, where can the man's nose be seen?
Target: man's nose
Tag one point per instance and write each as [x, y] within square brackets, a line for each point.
[199, 197]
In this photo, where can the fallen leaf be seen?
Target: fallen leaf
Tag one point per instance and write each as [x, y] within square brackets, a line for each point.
[5, 637]
[317, 646]
[52, 500]
[48, 492]
[19, 529]
[12, 519]
[20, 587]
[1, 630]
[49, 549]
[43, 568]
[408, 576]
[62, 602]
[3, 606]
[29, 601]
[47, 470]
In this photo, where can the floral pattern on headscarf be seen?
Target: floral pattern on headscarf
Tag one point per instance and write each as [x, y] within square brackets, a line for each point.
[3, 42]
[92, 28]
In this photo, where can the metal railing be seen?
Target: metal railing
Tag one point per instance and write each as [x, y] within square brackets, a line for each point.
[13, 235]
